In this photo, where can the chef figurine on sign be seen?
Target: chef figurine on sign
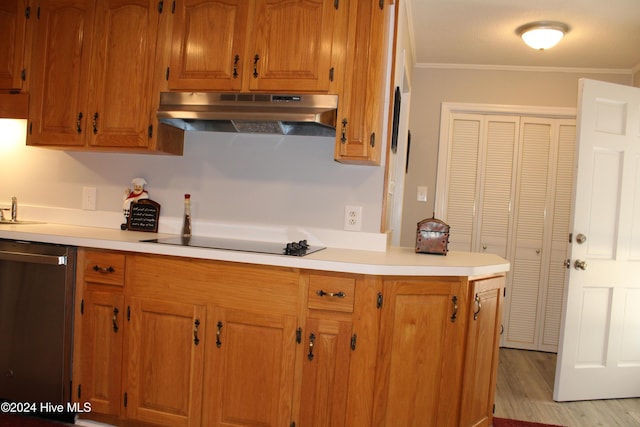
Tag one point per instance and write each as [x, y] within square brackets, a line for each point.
[132, 196]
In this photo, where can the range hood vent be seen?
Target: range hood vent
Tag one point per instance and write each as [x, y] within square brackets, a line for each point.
[313, 115]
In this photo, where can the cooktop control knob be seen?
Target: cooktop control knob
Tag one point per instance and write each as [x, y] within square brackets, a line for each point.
[296, 248]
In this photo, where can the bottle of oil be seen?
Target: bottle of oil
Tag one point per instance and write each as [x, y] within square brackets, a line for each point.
[186, 222]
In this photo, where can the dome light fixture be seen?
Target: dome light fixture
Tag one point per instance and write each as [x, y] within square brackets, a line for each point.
[542, 35]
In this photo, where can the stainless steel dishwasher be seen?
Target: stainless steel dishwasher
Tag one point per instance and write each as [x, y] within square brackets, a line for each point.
[37, 283]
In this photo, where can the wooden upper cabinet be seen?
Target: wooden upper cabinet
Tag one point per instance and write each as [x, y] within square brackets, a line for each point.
[13, 19]
[208, 45]
[259, 45]
[60, 73]
[93, 85]
[361, 113]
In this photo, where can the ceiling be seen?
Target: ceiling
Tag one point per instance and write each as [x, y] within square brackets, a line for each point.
[604, 34]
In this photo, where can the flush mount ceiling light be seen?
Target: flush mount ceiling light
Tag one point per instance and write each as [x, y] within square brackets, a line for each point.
[543, 34]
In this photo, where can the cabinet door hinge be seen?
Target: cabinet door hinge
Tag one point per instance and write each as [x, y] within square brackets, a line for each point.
[299, 335]
[30, 128]
[166, 74]
[38, 13]
[354, 338]
[504, 292]
[372, 139]
[173, 7]
[27, 12]
[23, 74]
[336, 4]
[79, 391]
[331, 71]
[124, 401]
[128, 313]
[381, 4]
[160, 6]
[82, 306]
[150, 131]
[379, 300]
[494, 409]
[293, 424]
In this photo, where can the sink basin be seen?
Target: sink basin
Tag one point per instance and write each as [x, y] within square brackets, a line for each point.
[19, 222]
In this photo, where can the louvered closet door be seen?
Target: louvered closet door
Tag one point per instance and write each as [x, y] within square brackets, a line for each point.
[459, 191]
[558, 245]
[479, 182]
[497, 184]
[535, 290]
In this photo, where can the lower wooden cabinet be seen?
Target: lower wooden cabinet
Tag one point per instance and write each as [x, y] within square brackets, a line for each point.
[183, 342]
[250, 369]
[164, 361]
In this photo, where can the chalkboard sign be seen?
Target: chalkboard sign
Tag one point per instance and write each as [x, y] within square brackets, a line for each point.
[143, 216]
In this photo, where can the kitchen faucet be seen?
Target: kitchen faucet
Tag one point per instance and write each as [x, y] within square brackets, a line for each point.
[14, 210]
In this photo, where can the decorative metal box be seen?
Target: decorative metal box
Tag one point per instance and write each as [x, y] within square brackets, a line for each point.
[432, 237]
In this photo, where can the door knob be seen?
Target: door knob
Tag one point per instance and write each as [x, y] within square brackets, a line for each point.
[581, 238]
[580, 264]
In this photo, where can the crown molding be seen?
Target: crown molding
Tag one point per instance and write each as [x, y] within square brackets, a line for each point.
[521, 68]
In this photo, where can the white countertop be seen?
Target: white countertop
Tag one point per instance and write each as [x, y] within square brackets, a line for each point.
[395, 261]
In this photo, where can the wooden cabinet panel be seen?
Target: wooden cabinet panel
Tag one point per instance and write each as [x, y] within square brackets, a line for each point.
[119, 108]
[481, 355]
[325, 376]
[165, 351]
[103, 267]
[420, 361]
[250, 369]
[12, 42]
[59, 79]
[208, 51]
[102, 340]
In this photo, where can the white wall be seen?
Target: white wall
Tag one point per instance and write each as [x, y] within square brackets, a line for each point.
[232, 178]
[432, 86]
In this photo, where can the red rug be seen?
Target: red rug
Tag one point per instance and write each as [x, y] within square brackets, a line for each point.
[502, 422]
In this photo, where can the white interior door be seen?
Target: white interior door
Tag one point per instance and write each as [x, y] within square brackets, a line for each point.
[599, 354]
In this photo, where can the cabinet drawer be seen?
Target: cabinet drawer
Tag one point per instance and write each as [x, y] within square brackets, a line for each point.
[104, 267]
[331, 293]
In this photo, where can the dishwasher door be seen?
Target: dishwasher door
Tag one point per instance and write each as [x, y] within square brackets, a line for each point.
[36, 310]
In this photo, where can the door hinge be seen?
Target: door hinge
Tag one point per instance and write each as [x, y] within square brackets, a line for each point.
[150, 131]
[23, 74]
[372, 139]
[38, 13]
[504, 292]
[379, 300]
[166, 74]
[336, 4]
[293, 424]
[82, 306]
[354, 338]
[331, 71]
[173, 7]
[30, 128]
[570, 237]
[125, 399]
[299, 335]
[381, 4]
[27, 12]
[160, 6]
[79, 391]
[128, 313]
[494, 409]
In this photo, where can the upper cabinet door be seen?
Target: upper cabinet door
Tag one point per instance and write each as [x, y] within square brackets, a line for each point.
[120, 92]
[12, 36]
[292, 45]
[60, 73]
[208, 44]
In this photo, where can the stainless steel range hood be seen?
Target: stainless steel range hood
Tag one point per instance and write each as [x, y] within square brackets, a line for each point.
[250, 113]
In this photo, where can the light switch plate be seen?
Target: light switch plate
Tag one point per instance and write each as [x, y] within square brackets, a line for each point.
[422, 193]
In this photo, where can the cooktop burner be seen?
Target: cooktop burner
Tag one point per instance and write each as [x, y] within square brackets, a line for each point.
[299, 248]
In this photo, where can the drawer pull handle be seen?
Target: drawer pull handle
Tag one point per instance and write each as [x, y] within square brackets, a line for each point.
[322, 293]
[196, 325]
[218, 332]
[478, 307]
[312, 340]
[454, 315]
[115, 319]
[103, 269]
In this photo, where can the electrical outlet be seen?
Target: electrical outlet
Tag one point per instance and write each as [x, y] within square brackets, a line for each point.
[89, 198]
[353, 218]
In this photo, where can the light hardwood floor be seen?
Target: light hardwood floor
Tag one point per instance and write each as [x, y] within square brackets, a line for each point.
[525, 388]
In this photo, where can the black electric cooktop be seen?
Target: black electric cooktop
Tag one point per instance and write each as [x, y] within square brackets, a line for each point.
[299, 248]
